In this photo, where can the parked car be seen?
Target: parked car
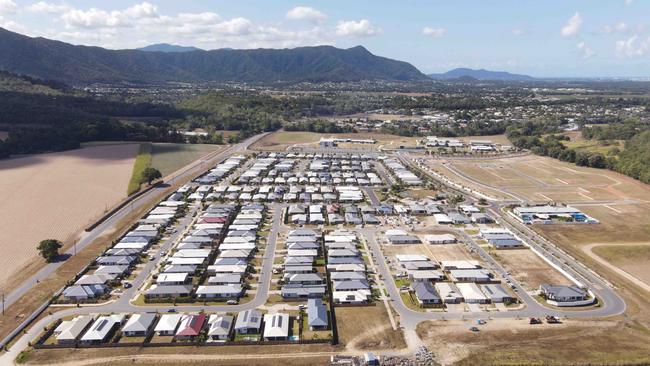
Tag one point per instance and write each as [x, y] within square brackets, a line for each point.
[232, 302]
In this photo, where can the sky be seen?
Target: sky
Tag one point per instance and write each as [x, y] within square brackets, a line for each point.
[549, 38]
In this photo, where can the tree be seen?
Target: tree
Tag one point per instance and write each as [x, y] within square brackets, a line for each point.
[49, 249]
[482, 202]
[150, 174]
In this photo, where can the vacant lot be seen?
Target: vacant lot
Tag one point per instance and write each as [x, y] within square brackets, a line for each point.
[450, 252]
[497, 139]
[529, 269]
[633, 259]
[515, 342]
[367, 327]
[55, 196]
[168, 158]
[542, 179]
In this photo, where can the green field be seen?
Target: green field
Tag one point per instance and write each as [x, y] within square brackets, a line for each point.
[142, 161]
[168, 158]
[594, 146]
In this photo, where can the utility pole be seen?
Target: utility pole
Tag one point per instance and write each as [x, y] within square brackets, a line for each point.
[3, 303]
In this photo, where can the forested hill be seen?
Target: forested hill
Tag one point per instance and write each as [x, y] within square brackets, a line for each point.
[54, 60]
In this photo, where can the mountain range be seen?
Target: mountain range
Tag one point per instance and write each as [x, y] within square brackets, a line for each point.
[78, 65]
[166, 47]
[465, 73]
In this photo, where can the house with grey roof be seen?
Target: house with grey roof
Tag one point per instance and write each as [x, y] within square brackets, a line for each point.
[317, 314]
[496, 293]
[157, 291]
[425, 293]
[139, 325]
[84, 292]
[300, 291]
[563, 293]
[220, 327]
[69, 331]
[248, 322]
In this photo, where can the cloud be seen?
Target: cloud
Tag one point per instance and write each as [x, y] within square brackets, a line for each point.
[361, 28]
[628, 2]
[587, 52]
[573, 26]
[620, 27]
[632, 47]
[7, 6]
[234, 27]
[306, 13]
[50, 8]
[434, 32]
[97, 18]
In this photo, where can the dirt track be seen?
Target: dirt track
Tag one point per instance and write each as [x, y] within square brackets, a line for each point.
[588, 250]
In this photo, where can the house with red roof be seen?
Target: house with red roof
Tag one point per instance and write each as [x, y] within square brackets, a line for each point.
[190, 326]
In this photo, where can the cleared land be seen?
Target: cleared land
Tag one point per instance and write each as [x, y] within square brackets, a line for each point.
[367, 327]
[529, 269]
[55, 196]
[633, 259]
[541, 179]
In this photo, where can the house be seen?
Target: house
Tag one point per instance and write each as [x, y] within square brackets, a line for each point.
[458, 218]
[471, 275]
[316, 314]
[563, 293]
[190, 326]
[442, 219]
[84, 292]
[220, 327]
[459, 264]
[351, 285]
[276, 326]
[441, 239]
[157, 291]
[69, 331]
[506, 243]
[496, 293]
[471, 293]
[300, 291]
[170, 279]
[396, 236]
[304, 278]
[219, 291]
[248, 322]
[351, 297]
[449, 293]
[425, 275]
[425, 293]
[102, 329]
[139, 325]
[225, 279]
[481, 218]
[167, 324]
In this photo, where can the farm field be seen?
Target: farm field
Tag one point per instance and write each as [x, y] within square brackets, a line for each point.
[529, 269]
[56, 195]
[542, 179]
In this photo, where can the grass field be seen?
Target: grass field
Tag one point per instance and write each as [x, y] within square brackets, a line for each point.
[280, 141]
[142, 162]
[168, 158]
[55, 196]
[633, 259]
[367, 327]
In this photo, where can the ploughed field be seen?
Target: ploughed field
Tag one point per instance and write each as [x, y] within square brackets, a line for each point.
[55, 196]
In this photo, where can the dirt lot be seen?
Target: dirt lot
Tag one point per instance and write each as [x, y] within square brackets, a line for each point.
[367, 327]
[528, 268]
[450, 252]
[55, 196]
[515, 342]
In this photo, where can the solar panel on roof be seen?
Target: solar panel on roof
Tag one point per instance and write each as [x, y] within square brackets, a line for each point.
[101, 325]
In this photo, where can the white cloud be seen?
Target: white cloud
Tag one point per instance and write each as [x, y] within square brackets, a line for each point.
[587, 52]
[306, 13]
[620, 27]
[234, 27]
[12, 26]
[7, 6]
[50, 8]
[628, 2]
[361, 28]
[518, 32]
[97, 18]
[434, 32]
[632, 47]
[573, 26]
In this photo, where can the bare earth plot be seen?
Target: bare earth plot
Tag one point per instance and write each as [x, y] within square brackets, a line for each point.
[280, 141]
[529, 269]
[56, 195]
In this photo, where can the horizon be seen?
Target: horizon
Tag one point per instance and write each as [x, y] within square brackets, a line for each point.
[580, 40]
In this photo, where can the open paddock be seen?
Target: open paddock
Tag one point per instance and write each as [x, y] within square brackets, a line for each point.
[632, 258]
[541, 179]
[528, 268]
[55, 196]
